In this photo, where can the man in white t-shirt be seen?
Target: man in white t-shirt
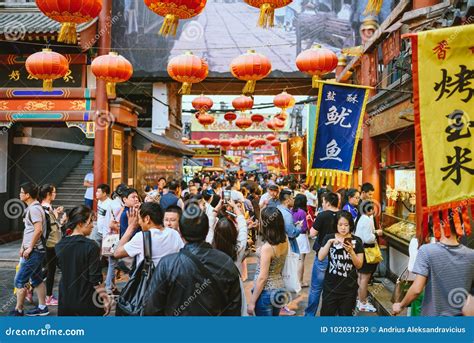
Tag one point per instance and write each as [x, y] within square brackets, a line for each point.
[89, 183]
[164, 241]
[107, 212]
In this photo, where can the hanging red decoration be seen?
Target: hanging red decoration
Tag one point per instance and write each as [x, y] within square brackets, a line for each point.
[254, 143]
[187, 69]
[205, 119]
[275, 143]
[270, 137]
[173, 11]
[70, 13]
[215, 142]
[225, 143]
[230, 117]
[261, 142]
[282, 116]
[276, 124]
[250, 67]
[202, 103]
[244, 143]
[242, 103]
[235, 143]
[284, 101]
[205, 141]
[257, 119]
[112, 68]
[316, 61]
[267, 10]
[243, 123]
[47, 65]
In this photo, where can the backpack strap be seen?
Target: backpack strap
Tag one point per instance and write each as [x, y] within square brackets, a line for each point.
[43, 229]
[207, 274]
[147, 249]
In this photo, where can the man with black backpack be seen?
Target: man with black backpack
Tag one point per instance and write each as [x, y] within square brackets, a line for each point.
[197, 281]
[32, 253]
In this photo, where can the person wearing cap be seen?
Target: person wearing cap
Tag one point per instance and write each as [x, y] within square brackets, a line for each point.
[270, 198]
[197, 272]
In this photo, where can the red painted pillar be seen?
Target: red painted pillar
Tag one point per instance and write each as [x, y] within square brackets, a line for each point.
[101, 141]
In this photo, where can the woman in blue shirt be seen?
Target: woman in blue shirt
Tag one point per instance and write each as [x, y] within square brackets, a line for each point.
[353, 199]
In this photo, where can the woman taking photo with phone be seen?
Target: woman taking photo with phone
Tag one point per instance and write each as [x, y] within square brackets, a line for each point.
[345, 255]
[268, 291]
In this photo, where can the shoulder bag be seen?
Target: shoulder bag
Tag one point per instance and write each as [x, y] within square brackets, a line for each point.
[130, 302]
[401, 287]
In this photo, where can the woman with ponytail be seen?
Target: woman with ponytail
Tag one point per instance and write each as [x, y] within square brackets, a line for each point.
[81, 289]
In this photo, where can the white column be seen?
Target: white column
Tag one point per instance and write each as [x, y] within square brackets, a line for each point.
[160, 120]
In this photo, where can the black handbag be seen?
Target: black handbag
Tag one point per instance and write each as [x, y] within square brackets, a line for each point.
[130, 301]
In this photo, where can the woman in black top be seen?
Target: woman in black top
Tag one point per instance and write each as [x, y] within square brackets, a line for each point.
[81, 292]
[345, 255]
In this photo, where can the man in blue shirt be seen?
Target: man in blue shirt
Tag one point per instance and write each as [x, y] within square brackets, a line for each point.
[292, 230]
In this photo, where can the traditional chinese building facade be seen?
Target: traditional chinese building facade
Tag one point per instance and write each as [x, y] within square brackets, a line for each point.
[388, 142]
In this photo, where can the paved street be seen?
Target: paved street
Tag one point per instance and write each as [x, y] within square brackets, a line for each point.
[8, 300]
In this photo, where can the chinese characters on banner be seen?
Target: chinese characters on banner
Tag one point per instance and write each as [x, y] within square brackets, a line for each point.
[336, 133]
[297, 155]
[443, 73]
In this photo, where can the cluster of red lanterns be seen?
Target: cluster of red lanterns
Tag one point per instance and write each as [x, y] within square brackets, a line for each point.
[202, 104]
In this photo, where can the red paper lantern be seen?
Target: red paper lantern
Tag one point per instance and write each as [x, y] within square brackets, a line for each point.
[173, 11]
[243, 123]
[187, 69]
[225, 143]
[215, 142]
[267, 10]
[261, 142]
[254, 143]
[282, 116]
[205, 141]
[47, 65]
[257, 118]
[70, 13]
[235, 143]
[242, 103]
[244, 143]
[284, 101]
[112, 68]
[202, 103]
[205, 119]
[270, 137]
[250, 67]
[230, 117]
[316, 61]
[275, 143]
[276, 124]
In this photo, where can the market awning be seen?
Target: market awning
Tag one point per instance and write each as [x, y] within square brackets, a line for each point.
[147, 141]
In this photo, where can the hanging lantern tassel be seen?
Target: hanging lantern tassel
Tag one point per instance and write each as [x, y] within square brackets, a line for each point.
[185, 88]
[68, 33]
[249, 88]
[48, 85]
[315, 80]
[170, 25]
[373, 7]
[111, 90]
[267, 15]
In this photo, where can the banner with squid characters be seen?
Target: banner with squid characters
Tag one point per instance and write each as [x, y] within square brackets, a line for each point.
[337, 128]
[443, 80]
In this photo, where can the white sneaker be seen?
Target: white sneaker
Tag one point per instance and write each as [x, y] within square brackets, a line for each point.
[367, 307]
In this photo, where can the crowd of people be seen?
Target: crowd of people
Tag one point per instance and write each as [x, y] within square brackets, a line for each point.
[184, 246]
